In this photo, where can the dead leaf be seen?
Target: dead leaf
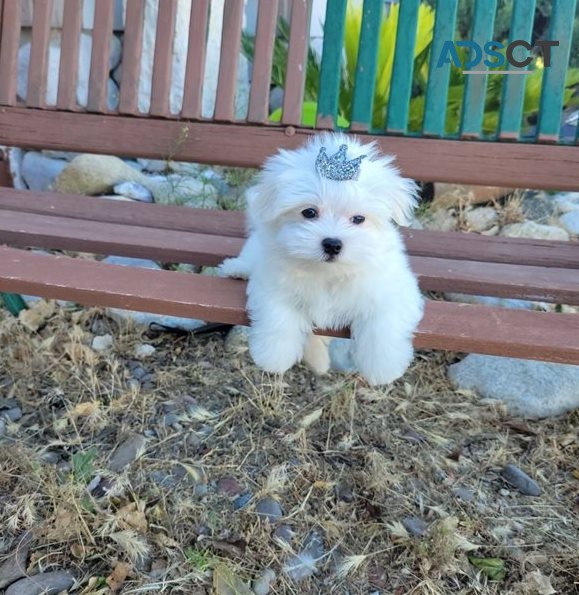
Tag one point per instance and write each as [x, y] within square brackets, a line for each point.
[118, 576]
[37, 316]
[132, 516]
[226, 582]
[85, 409]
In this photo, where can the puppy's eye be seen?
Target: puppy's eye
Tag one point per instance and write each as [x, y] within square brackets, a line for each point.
[357, 219]
[310, 213]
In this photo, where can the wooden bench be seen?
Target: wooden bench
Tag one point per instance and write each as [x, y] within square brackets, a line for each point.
[444, 262]
[525, 269]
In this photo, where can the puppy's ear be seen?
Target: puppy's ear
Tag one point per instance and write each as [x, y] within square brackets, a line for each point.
[402, 199]
[260, 204]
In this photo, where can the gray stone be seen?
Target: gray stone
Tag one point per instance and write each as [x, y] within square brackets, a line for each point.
[40, 171]
[183, 190]
[262, 585]
[269, 509]
[242, 501]
[520, 480]
[530, 229]
[570, 221]
[2, 427]
[133, 190]
[148, 319]
[531, 389]
[340, 355]
[66, 155]
[566, 202]
[285, 534]
[102, 343]
[127, 452]
[14, 566]
[144, 351]
[13, 414]
[154, 165]
[50, 457]
[464, 494]
[125, 261]
[229, 486]
[415, 526]
[440, 220]
[45, 583]
[481, 219]
[538, 206]
[275, 99]
[499, 302]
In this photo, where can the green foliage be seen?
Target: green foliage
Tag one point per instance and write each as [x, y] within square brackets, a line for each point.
[387, 43]
[493, 568]
[82, 465]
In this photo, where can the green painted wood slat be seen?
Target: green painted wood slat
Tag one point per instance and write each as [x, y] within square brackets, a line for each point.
[511, 112]
[403, 68]
[476, 84]
[331, 68]
[365, 81]
[561, 30]
[438, 78]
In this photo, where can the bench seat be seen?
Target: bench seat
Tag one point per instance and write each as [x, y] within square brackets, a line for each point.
[465, 263]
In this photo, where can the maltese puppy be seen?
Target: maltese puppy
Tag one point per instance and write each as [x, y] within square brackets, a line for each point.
[323, 253]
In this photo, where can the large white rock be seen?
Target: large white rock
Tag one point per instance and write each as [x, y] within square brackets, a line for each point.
[530, 229]
[570, 221]
[481, 219]
[84, 58]
[39, 171]
[566, 201]
[528, 388]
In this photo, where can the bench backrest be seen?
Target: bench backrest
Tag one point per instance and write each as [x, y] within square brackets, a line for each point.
[505, 157]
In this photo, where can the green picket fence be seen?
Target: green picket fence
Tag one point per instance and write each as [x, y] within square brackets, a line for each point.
[485, 106]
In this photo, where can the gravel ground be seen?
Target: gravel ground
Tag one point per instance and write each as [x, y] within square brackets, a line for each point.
[156, 461]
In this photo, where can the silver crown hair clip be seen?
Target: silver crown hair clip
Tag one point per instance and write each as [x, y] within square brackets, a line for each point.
[337, 167]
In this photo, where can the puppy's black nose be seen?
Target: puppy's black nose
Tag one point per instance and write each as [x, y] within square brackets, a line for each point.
[332, 246]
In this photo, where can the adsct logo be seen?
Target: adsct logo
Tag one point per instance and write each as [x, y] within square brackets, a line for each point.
[492, 49]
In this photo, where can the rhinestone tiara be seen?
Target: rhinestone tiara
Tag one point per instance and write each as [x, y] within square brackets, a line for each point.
[338, 167]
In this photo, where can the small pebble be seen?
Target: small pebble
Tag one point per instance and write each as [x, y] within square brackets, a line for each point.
[269, 509]
[344, 492]
[14, 566]
[465, 494]
[47, 583]
[520, 480]
[242, 501]
[102, 342]
[414, 526]
[144, 351]
[13, 414]
[504, 492]
[262, 585]
[133, 190]
[50, 457]
[284, 533]
[229, 486]
[127, 452]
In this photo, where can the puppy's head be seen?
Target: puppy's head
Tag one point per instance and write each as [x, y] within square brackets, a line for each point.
[311, 213]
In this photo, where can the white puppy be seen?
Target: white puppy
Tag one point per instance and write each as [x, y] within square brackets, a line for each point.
[323, 253]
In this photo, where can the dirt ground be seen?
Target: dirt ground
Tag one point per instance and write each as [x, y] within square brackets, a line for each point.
[142, 470]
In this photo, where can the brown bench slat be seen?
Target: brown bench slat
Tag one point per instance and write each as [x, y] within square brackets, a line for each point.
[451, 245]
[41, 231]
[513, 165]
[457, 327]
[28, 230]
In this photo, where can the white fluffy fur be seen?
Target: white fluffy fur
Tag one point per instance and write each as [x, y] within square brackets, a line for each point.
[293, 288]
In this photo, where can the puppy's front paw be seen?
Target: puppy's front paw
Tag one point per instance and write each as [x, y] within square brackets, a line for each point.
[383, 364]
[274, 351]
[233, 267]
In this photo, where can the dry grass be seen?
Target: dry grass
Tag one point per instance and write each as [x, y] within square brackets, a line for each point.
[398, 452]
